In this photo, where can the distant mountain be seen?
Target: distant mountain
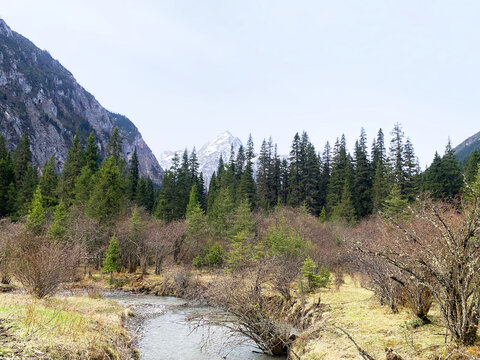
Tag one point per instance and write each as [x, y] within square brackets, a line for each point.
[208, 155]
[39, 96]
[465, 148]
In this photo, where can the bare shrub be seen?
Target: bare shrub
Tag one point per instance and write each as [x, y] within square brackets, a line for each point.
[165, 240]
[439, 247]
[258, 315]
[8, 233]
[41, 264]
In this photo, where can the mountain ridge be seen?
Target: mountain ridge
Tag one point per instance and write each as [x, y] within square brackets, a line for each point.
[41, 97]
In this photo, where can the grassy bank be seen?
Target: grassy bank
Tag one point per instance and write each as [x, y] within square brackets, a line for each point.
[77, 327]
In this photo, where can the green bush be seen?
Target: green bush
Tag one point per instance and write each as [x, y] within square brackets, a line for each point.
[316, 277]
[213, 256]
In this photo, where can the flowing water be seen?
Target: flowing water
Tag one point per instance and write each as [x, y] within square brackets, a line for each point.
[168, 333]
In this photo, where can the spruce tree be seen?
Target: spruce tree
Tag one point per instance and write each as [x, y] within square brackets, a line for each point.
[344, 209]
[133, 175]
[26, 177]
[112, 261]
[115, 145]
[36, 216]
[339, 174]
[412, 171]
[471, 169]
[395, 204]
[83, 186]
[396, 156]
[380, 187]
[106, 199]
[58, 227]
[7, 181]
[363, 178]
[91, 153]
[48, 184]
[71, 171]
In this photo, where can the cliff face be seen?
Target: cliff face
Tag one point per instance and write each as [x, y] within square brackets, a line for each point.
[39, 96]
[463, 150]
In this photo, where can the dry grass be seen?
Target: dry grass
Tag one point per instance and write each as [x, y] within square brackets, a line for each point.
[62, 328]
[372, 326]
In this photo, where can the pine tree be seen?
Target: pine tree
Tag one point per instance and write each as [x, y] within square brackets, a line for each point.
[112, 261]
[197, 228]
[48, 184]
[193, 163]
[106, 199]
[471, 169]
[133, 175]
[220, 215]
[91, 153]
[7, 181]
[452, 174]
[326, 161]
[193, 202]
[58, 227]
[36, 216]
[71, 171]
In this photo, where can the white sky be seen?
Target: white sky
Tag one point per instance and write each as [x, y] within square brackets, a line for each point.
[184, 71]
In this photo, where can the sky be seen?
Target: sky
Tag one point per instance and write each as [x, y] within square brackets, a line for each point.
[185, 71]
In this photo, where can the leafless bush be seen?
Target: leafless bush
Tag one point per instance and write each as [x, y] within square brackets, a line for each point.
[41, 264]
[439, 247]
[8, 233]
[258, 316]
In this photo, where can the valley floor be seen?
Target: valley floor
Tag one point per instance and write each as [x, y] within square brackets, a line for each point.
[86, 327]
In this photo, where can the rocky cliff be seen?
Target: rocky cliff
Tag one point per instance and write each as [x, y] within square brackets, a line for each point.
[39, 96]
[464, 149]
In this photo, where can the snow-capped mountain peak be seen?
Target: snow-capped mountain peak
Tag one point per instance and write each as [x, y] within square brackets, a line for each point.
[208, 155]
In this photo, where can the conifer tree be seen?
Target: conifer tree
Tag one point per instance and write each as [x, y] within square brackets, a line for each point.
[193, 163]
[91, 153]
[397, 159]
[26, 177]
[363, 178]
[412, 170]
[339, 174]
[133, 175]
[7, 181]
[220, 215]
[83, 186]
[197, 228]
[344, 209]
[36, 216]
[112, 261]
[106, 199]
[58, 227]
[48, 184]
[71, 171]
[212, 191]
[395, 204]
[241, 236]
[380, 187]
[471, 169]
[115, 144]
[325, 164]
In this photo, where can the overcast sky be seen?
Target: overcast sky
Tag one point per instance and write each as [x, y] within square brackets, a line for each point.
[184, 71]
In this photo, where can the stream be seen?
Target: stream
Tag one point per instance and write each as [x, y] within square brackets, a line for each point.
[166, 332]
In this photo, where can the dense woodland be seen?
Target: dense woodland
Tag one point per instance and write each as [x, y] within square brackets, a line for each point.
[371, 211]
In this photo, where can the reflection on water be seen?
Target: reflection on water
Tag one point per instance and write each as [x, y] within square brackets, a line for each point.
[171, 336]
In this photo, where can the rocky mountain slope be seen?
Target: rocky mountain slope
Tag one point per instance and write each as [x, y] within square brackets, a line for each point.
[465, 148]
[39, 96]
[208, 155]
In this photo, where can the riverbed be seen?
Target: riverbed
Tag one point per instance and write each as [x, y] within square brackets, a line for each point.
[165, 330]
